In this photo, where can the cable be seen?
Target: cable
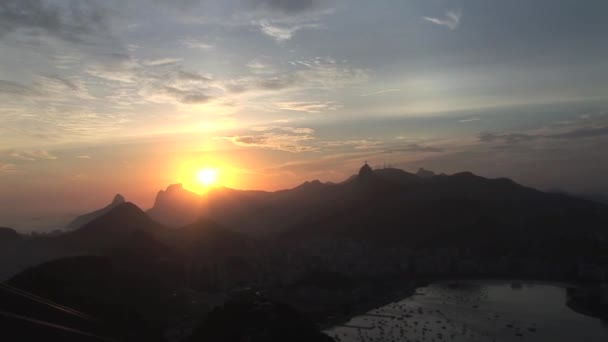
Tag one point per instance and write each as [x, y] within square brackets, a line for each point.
[47, 302]
[55, 326]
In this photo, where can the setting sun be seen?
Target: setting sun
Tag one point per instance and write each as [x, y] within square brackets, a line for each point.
[206, 177]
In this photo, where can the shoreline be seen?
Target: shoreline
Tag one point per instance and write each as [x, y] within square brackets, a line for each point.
[587, 301]
[376, 303]
[573, 302]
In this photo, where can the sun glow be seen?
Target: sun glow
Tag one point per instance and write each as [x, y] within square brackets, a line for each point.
[204, 174]
[207, 177]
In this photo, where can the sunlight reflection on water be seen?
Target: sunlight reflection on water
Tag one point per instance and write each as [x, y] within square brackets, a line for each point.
[476, 311]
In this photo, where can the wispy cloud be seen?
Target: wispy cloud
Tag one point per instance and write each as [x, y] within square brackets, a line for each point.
[71, 22]
[415, 148]
[296, 130]
[193, 43]
[7, 168]
[574, 133]
[281, 20]
[289, 7]
[282, 32]
[31, 155]
[451, 19]
[475, 118]
[15, 88]
[161, 61]
[289, 139]
[380, 92]
[308, 107]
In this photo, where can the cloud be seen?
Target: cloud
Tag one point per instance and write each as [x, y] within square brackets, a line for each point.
[308, 106]
[70, 21]
[275, 83]
[328, 73]
[60, 83]
[574, 133]
[192, 43]
[193, 76]
[289, 6]
[586, 132]
[14, 88]
[380, 92]
[415, 148]
[250, 140]
[509, 138]
[282, 32]
[260, 67]
[31, 155]
[295, 130]
[7, 168]
[451, 19]
[118, 67]
[45, 86]
[281, 19]
[190, 96]
[161, 61]
[475, 118]
[288, 139]
[84, 157]
[362, 144]
[301, 75]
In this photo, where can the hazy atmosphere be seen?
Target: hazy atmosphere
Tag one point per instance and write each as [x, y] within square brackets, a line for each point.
[106, 97]
[304, 170]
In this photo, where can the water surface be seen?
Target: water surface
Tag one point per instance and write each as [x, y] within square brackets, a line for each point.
[476, 311]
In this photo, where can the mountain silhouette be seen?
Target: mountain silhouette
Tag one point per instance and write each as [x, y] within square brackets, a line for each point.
[422, 173]
[257, 319]
[82, 220]
[109, 229]
[176, 206]
[137, 275]
[9, 235]
[394, 205]
[461, 210]
[10, 243]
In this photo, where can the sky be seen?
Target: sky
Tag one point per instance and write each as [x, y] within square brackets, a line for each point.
[105, 97]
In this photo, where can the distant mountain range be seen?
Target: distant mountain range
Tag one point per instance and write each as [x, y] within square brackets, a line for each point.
[385, 207]
[82, 220]
[395, 206]
[391, 206]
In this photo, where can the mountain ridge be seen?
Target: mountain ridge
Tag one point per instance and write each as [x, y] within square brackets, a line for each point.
[83, 219]
[270, 213]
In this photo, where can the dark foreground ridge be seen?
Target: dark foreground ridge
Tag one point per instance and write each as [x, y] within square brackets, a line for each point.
[250, 317]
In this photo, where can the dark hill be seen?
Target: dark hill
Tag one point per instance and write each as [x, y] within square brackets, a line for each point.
[109, 230]
[255, 319]
[116, 301]
[206, 239]
[9, 235]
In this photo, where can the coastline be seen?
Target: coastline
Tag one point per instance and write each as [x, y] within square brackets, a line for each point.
[378, 302]
[575, 302]
[587, 301]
